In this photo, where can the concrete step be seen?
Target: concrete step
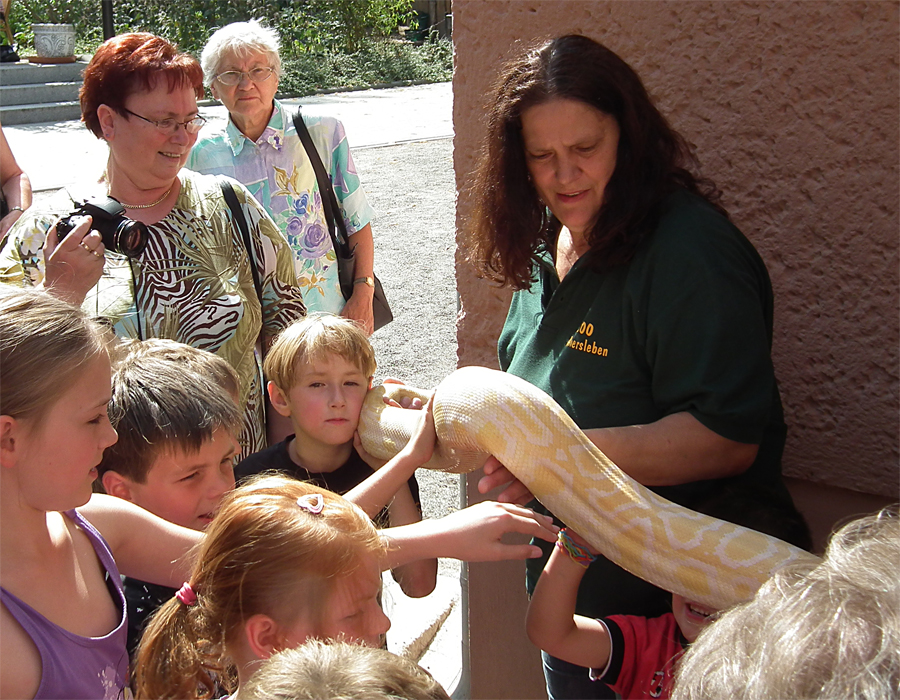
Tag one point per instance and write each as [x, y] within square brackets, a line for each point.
[23, 73]
[49, 112]
[32, 93]
[38, 93]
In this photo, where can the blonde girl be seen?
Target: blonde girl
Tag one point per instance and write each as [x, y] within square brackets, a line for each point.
[283, 561]
[62, 619]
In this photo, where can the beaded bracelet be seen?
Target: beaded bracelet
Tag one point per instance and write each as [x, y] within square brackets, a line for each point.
[579, 554]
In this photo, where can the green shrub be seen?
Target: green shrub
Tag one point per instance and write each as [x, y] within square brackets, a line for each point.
[345, 24]
[385, 61]
[326, 44]
[305, 26]
[84, 14]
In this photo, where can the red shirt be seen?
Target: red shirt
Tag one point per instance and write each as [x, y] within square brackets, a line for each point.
[642, 655]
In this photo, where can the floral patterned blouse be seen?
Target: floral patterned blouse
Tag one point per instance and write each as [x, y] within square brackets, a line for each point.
[277, 172]
[192, 283]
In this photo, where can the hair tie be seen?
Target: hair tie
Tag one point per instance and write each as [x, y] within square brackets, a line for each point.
[186, 595]
[311, 503]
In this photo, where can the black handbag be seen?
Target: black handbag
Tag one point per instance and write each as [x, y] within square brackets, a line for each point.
[338, 230]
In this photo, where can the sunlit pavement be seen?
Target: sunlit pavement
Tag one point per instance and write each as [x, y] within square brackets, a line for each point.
[63, 153]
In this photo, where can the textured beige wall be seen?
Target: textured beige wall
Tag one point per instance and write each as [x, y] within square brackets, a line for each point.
[793, 109]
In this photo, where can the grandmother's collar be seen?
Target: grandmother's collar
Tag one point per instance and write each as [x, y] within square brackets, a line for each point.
[273, 133]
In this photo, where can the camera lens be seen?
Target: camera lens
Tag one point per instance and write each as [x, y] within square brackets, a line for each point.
[131, 238]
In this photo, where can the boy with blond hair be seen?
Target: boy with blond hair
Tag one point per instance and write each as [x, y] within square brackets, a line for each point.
[319, 370]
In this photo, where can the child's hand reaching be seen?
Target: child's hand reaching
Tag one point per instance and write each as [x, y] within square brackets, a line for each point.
[378, 490]
[552, 624]
[476, 533]
[420, 447]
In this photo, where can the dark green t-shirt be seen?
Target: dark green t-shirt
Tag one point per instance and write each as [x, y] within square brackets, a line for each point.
[685, 326]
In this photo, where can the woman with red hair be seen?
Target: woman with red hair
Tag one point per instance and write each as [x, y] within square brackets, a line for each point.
[199, 279]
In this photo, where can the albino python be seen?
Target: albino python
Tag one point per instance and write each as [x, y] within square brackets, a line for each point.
[480, 411]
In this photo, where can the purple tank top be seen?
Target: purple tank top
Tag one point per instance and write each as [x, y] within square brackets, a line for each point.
[76, 667]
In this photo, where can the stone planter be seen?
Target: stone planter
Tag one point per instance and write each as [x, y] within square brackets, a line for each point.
[54, 42]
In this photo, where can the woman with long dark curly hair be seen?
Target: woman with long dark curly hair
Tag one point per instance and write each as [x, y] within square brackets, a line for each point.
[639, 306]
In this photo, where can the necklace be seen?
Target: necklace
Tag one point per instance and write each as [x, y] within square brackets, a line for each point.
[152, 204]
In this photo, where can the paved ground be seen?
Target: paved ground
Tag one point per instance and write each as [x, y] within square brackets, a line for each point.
[57, 154]
[411, 186]
[402, 143]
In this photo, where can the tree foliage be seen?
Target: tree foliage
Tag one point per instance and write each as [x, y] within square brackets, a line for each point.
[305, 26]
[326, 44]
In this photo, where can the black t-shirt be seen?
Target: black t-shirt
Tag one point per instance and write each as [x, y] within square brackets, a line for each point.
[142, 600]
[350, 474]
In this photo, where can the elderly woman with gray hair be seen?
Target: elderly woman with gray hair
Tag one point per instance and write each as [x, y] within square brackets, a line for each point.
[260, 148]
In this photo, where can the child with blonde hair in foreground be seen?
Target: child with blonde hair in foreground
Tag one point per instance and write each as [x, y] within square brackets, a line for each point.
[283, 561]
[335, 669]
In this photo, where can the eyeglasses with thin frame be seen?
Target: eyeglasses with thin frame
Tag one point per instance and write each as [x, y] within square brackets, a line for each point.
[170, 126]
[234, 77]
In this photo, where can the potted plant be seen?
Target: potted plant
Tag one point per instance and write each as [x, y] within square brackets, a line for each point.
[54, 35]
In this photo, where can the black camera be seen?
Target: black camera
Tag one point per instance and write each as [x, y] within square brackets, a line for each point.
[119, 233]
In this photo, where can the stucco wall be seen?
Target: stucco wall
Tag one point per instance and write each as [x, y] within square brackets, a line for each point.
[793, 109]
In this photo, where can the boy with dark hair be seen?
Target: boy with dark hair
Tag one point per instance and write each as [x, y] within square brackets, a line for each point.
[174, 409]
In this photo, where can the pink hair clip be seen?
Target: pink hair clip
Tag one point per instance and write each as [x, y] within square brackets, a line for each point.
[312, 503]
[186, 595]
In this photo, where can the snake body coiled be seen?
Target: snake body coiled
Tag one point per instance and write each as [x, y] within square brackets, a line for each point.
[479, 411]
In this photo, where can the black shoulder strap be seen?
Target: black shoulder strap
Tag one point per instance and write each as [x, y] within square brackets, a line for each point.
[336, 226]
[238, 215]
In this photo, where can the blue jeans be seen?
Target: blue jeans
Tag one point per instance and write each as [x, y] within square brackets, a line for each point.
[567, 681]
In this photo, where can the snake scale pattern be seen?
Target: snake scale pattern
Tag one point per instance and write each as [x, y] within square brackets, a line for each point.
[480, 411]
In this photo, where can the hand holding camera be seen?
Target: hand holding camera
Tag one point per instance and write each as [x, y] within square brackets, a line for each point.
[119, 233]
[75, 247]
[74, 263]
